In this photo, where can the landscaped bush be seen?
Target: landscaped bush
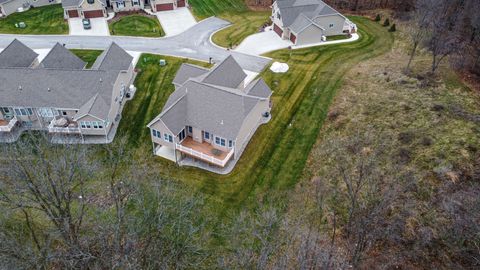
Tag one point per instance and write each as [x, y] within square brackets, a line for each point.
[393, 28]
[386, 22]
[378, 18]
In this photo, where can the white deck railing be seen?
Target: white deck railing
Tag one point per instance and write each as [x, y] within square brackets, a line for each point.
[54, 129]
[205, 157]
[10, 125]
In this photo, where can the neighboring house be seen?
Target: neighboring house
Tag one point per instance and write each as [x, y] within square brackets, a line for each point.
[8, 7]
[308, 21]
[163, 5]
[60, 96]
[84, 8]
[209, 119]
[127, 5]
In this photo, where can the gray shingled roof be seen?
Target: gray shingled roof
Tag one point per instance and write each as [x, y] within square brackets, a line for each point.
[26, 87]
[4, 1]
[228, 73]
[17, 54]
[76, 3]
[113, 58]
[292, 9]
[61, 58]
[259, 88]
[217, 109]
[188, 71]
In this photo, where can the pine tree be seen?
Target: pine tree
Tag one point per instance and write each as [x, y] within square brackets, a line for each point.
[393, 28]
[387, 22]
[378, 18]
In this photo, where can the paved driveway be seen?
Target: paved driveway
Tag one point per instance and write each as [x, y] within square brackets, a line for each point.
[99, 27]
[263, 42]
[193, 43]
[176, 21]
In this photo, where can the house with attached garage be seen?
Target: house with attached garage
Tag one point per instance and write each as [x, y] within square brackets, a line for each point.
[308, 21]
[210, 117]
[60, 96]
[84, 8]
[127, 5]
[8, 7]
[164, 5]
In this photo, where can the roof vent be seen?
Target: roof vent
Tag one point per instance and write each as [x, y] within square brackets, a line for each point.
[19, 87]
[48, 89]
[221, 123]
[101, 80]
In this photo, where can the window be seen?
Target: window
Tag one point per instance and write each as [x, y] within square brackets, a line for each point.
[23, 111]
[230, 143]
[170, 138]
[135, 2]
[6, 110]
[88, 124]
[64, 113]
[331, 25]
[189, 129]
[17, 111]
[95, 124]
[30, 111]
[219, 141]
[181, 135]
[206, 135]
[47, 112]
[165, 137]
[82, 125]
[90, 1]
[156, 133]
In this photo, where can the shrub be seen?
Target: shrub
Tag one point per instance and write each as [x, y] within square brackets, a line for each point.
[393, 28]
[378, 18]
[386, 22]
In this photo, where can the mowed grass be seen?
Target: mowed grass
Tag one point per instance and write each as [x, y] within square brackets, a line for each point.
[88, 56]
[136, 25]
[46, 20]
[277, 154]
[243, 25]
[206, 8]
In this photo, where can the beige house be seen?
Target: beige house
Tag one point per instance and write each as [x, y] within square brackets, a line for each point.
[84, 8]
[163, 5]
[308, 21]
[211, 116]
[127, 5]
[58, 95]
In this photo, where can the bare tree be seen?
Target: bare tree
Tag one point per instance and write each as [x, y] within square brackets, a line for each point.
[418, 29]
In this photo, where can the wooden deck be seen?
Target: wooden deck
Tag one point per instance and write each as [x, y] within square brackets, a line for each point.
[3, 122]
[204, 148]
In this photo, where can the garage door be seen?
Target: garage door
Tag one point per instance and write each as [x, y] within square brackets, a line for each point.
[293, 38]
[278, 30]
[93, 14]
[180, 3]
[73, 13]
[163, 7]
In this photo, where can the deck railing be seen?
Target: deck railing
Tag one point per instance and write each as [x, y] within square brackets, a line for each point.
[53, 129]
[208, 158]
[10, 125]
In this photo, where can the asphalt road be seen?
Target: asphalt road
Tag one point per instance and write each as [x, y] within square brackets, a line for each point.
[193, 43]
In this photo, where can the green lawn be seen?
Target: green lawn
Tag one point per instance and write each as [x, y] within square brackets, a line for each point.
[337, 37]
[243, 24]
[277, 154]
[46, 20]
[136, 25]
[205, 8]
[88, 56]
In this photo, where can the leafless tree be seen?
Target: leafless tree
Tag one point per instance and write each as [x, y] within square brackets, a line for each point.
[419, 26]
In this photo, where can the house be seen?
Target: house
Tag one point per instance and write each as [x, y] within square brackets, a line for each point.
[84, 8]
[163, 5]
[127, 5]
[308, 21]
[211, 116]
[60, 96]
[8, 7]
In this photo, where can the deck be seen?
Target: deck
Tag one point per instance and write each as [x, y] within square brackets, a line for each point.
[204, 151]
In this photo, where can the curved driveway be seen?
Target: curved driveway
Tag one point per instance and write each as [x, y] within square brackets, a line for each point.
[193, 43]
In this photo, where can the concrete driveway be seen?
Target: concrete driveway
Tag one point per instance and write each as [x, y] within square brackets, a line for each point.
[99, 27]
[260, 43]
[176, 21]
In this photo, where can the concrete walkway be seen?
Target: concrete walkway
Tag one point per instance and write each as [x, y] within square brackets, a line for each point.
[193, 43]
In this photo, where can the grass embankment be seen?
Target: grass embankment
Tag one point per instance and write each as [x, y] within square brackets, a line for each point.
[244, 24]
[205, 8]
[276, 155]
[136, 25]
[88, 56]
[47, 20]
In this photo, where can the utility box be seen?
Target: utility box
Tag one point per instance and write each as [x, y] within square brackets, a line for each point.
[162, 62]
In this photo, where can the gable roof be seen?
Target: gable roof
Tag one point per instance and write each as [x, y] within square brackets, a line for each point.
[228, 73]
[17, 54]
[61, 58]
[217, 109]
[290, 10]
[188, 71]
[113, 58]
[77, 3]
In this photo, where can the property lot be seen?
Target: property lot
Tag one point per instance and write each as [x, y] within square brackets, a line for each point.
[47, 20]
[176, 21]
[99, 27]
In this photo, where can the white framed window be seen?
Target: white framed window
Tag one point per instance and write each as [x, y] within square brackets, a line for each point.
[206, 135]
[47, 112]
[22, 111]
[82, 125]
[219, 141]
[230, 143]
[95, 124]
